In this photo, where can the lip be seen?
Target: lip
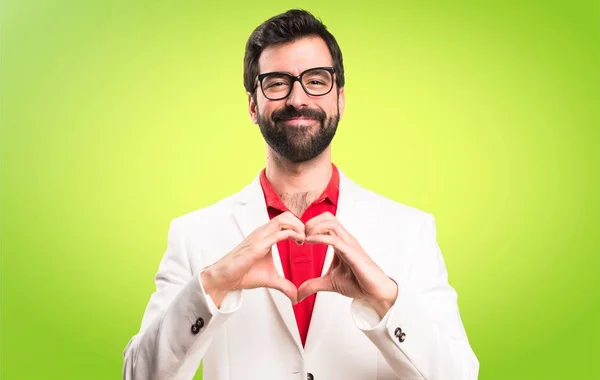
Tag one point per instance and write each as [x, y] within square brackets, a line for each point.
[298, 119]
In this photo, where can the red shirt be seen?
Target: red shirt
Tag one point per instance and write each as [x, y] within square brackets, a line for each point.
[302, 262]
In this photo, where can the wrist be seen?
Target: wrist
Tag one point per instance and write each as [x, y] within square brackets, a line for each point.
[209, 283]
[385, 302]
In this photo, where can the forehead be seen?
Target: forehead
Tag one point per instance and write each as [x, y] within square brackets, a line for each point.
[295, 57]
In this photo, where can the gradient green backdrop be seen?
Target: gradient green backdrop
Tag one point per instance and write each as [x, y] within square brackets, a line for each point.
[118, 116]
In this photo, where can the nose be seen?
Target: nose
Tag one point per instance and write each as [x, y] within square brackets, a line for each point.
[297, 97]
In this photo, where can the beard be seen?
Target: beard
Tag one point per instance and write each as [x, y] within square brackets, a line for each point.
[298, 143]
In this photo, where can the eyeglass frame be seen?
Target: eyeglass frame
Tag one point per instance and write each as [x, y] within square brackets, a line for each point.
[260, 77]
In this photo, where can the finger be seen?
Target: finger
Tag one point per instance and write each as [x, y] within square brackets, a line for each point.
[260, 246]
[328, 227]
[285, 287]
[286, 221]
[332, 240]
[342, 249]
[278, 236]
[320, 218]
[312, 286]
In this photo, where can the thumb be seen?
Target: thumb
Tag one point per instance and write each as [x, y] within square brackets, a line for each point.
[286, 287]
[313, 286]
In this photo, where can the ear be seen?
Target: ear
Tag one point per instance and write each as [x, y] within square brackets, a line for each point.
[341, 101]
[252, 108]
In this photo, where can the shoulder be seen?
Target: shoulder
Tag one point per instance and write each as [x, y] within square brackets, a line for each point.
[387, 208]
[207, 217]
[398, 208]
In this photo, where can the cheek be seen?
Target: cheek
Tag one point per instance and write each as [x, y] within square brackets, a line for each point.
[267, 108]
[332, 108]
[330, 105]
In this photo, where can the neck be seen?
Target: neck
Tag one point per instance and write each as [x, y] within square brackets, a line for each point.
[299, 184]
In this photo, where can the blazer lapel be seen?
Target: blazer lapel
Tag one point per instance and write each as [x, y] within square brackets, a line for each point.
[250, 213]
[326, 302]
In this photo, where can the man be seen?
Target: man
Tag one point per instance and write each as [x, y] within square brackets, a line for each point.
[303, 274]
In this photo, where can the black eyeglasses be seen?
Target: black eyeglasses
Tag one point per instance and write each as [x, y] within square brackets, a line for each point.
[278, 85]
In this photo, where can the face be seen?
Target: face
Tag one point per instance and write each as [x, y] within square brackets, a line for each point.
[301, 126]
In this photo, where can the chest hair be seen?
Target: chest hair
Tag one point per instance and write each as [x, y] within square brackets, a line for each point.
[299, 202]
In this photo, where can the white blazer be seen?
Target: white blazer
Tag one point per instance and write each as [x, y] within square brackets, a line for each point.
[254, 335]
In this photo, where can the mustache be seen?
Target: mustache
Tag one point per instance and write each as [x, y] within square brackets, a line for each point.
[292, 112]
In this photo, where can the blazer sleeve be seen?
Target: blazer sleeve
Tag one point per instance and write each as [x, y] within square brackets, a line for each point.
[422, 335]
[179, 322]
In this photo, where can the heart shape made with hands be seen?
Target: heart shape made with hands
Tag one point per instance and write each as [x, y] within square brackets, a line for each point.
[326, 229]
[352, 272]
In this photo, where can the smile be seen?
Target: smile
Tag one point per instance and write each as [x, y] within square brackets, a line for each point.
[295, 119]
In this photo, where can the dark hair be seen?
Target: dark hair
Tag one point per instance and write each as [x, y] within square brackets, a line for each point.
[283, 28]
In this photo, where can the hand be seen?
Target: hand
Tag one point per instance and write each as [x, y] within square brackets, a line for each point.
[352, 272]
[250, 264]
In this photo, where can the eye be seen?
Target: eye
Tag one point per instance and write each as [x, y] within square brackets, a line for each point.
[317, 79]
[276, 84]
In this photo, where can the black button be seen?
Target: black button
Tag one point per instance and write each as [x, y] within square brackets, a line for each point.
[309, 376]
[398, 332]
[402, 337]
[200, 323]
[195, 329]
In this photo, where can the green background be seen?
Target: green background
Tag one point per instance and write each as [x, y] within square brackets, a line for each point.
[117, 116]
